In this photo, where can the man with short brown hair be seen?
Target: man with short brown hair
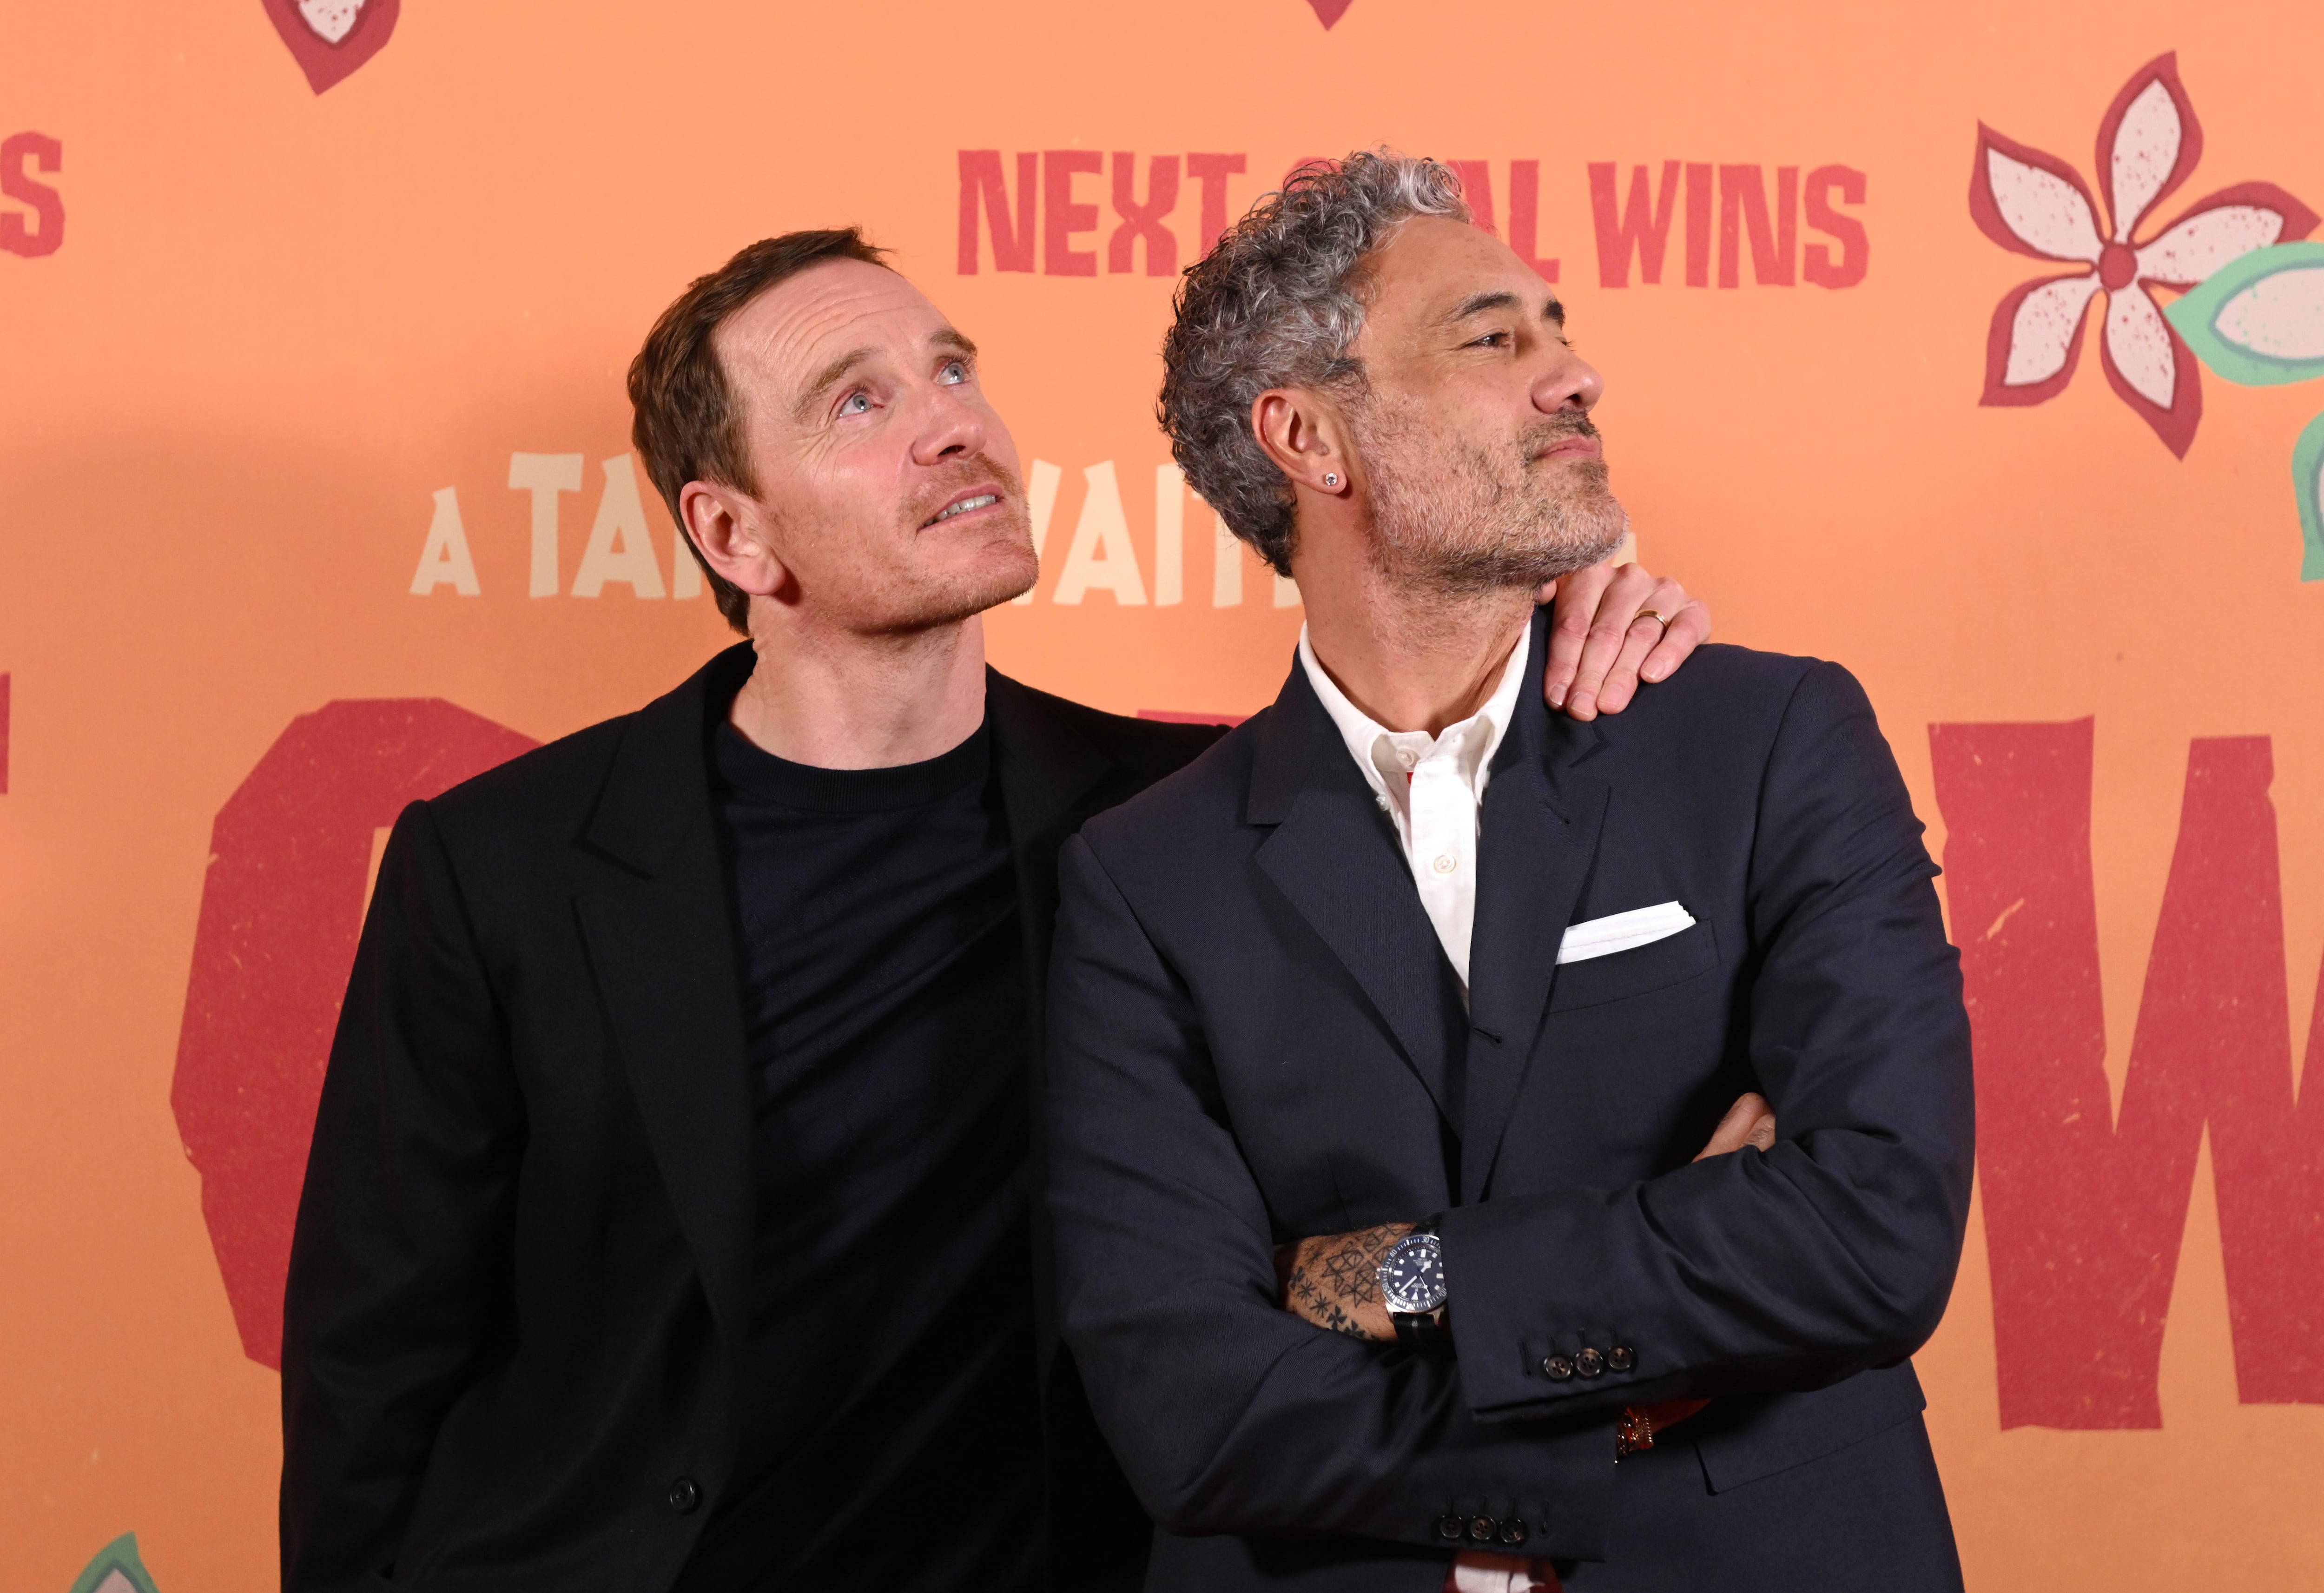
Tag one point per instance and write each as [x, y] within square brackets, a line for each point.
[669, 1221]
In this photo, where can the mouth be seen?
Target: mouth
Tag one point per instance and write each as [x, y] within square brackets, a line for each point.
[965, 504]
[1577, 446]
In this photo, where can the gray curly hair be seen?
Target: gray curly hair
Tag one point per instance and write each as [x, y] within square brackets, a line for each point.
[1278, 303]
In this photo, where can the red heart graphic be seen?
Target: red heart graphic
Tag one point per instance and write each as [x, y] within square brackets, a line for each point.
[324, 61]
[1328, 12]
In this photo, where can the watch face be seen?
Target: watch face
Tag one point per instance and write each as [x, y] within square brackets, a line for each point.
[1412, 1278]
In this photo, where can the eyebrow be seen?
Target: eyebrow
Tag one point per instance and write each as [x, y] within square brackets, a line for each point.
[1477, 304]
[830, 375]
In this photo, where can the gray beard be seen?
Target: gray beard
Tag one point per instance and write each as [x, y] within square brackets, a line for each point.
[1469, 520]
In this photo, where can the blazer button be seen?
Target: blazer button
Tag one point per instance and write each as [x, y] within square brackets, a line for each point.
[685, 1495]
[1621, 1357]
[1481, 1529]
[1513, 1531]
[1557, 1369]
[1589, 1363]
[1452, 1528]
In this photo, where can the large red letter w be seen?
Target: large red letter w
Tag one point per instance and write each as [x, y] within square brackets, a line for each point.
[2083, 1213]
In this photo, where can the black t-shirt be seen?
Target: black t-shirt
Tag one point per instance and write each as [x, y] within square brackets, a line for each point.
[890, 1434]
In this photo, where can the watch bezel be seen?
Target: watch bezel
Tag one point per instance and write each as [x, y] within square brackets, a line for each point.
[1398, 1303]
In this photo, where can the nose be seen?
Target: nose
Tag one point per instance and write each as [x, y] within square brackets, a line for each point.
[951, 424]
[1569, 383]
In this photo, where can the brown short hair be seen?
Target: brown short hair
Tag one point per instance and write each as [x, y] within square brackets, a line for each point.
[688, 425]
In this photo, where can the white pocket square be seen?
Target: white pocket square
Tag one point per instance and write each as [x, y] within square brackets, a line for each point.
[1619, 932]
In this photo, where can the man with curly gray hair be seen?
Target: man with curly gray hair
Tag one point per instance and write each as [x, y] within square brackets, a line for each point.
[1279, 306]
[1381, 1035]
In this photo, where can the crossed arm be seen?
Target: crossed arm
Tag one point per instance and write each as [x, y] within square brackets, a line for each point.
[1332, 1281]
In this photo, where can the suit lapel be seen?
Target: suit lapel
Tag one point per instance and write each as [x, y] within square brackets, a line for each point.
[1047, 774]
[1051, 780]
[1543, 812]
[1333, 855]
[661, 947]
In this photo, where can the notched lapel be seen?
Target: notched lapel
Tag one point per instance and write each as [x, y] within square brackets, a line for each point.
[1334, 857]
[662, 946]
[1544, 813]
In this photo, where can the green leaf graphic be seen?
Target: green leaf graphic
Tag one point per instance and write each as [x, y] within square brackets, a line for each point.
[115, 1569]
[2307, 487]
[2259, 319]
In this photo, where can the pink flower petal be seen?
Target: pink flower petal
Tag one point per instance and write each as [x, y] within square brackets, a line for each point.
[2031, 202]
[2234, 221]
[2148, 142]
[2138, 342]
[2149, 369]
[2036, 338]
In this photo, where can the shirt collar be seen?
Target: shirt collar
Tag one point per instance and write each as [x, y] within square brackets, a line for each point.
[1380, 753]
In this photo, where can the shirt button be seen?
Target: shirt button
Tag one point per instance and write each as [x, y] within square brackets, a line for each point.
[1407, 758]
[685, 1495]
[1621, 1357]
[1557, 1369]
[1451, 1528]
[1445, 863]
[1589, 1363]
[1513, 1531]
[1481, 1529]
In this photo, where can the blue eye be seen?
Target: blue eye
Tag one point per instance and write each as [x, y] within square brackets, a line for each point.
[855, 403]
[954, 372]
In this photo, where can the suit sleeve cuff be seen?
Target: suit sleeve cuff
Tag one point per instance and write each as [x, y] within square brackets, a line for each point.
[1526, 1344]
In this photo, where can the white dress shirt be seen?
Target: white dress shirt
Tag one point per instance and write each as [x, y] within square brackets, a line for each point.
[1433, 789]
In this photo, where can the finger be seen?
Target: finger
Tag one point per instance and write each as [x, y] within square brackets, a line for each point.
[1621, 681]
[1762, 1133]
[1645, 635]
[1734, 1130]
[1689, 628]
[1569, 624]
[1609, 627]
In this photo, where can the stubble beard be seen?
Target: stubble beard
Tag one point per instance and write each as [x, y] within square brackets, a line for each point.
[947, 597]
[1459, 519]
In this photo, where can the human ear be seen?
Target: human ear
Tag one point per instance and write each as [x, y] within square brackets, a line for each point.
[730, 529]
[1303, 432]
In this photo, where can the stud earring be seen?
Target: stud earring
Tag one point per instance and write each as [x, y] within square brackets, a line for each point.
[1330, 479]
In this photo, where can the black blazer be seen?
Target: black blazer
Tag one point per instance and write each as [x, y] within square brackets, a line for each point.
[1255, 1036]
[519, 1276]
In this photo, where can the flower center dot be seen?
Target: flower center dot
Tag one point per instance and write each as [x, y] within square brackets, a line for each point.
[2117, 267]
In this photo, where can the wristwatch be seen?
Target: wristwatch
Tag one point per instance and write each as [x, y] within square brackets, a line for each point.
[1412, 1286]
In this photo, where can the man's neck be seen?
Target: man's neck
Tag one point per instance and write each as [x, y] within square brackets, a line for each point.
[834, 699]
[1411, 660]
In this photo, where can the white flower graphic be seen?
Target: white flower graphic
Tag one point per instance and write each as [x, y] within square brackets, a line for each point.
[2035, 204]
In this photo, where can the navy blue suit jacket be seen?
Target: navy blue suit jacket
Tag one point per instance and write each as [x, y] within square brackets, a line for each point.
[1256, 1038]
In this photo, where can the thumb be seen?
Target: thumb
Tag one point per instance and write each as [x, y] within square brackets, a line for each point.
[1749, 1121]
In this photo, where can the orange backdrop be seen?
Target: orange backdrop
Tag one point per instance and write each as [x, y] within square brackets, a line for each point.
[272, 352]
